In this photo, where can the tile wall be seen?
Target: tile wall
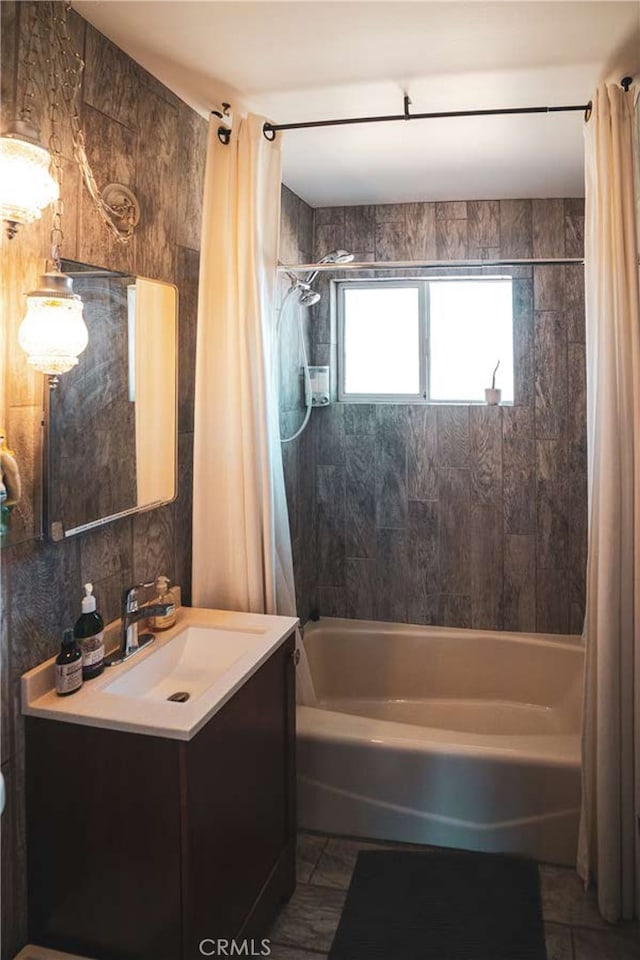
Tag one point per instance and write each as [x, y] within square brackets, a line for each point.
[296, 246]
[140, 134]
[456, 515]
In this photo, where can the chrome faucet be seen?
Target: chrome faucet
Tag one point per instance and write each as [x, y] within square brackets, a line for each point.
[132, 613]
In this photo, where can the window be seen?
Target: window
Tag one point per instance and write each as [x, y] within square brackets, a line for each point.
[437, 340]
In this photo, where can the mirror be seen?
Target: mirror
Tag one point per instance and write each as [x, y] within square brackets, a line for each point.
[111, 423]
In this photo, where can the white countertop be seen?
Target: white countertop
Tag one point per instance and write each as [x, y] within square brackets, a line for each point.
[94, 706]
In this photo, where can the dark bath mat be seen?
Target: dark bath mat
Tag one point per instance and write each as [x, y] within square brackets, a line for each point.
[441, 906]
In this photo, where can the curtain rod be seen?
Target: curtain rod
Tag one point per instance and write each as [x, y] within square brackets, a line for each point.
[270, 129]
[419, 264]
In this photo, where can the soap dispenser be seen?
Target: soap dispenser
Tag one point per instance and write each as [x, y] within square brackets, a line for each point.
[164, 595]
[89, 630]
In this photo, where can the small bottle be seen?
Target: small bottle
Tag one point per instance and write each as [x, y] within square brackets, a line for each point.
[89, 630]
[68, 666]
[164, 596]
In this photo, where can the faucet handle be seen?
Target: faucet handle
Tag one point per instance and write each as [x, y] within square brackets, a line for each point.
[130, 595]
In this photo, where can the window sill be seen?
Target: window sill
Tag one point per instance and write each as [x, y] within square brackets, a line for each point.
[421, 402]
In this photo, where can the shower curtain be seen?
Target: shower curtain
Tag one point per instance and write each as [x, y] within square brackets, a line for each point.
[609, 845]
[241, 543]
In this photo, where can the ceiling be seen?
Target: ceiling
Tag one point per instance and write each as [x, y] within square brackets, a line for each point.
[296, 61]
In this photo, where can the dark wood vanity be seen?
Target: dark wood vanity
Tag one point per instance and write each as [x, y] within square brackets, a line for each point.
[141, 846]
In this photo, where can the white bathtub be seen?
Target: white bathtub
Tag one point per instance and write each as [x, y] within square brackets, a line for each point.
[460, 738]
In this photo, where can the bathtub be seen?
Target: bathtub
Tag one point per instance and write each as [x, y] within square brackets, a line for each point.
[458, 738]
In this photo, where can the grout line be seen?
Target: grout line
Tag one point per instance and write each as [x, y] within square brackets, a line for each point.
[315, 865]
[326, 886]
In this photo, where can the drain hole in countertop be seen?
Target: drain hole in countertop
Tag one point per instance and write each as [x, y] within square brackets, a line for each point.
[180, 697]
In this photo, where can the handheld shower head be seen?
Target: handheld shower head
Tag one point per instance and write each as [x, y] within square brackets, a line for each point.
[308, 297]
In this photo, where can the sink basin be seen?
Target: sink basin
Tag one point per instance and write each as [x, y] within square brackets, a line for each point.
[188, 665]
[175, 684]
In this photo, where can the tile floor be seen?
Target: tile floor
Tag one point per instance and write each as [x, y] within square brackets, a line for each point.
[305, 927]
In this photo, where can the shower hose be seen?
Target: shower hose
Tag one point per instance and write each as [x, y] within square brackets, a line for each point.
[305, 363]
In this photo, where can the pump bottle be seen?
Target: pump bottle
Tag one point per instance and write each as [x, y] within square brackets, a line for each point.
[89, 630]
[163, 596]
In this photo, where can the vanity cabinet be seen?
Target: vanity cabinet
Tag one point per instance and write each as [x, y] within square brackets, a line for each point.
[143, 846]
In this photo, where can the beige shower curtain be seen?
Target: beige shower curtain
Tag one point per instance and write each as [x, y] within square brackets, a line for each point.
[241, 544]
[609, 846]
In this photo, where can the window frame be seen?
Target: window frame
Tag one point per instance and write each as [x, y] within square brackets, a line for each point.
[423, 341]
[424, 319]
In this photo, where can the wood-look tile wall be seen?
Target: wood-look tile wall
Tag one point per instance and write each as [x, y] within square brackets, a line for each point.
[142, 135]
[296, 246]
[457, 515]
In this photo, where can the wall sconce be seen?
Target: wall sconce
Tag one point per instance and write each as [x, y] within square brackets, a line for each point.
[26, 184]
[53, 331]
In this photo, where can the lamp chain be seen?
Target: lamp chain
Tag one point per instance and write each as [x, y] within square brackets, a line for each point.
[73, 67]
[29, 63]
[67, 69]
[55, 145]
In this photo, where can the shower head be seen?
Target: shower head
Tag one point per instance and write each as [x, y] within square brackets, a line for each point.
[308, 297]
[337, 256]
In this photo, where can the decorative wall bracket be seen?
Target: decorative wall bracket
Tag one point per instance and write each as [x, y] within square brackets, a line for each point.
[31, 175]
[123, 206]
